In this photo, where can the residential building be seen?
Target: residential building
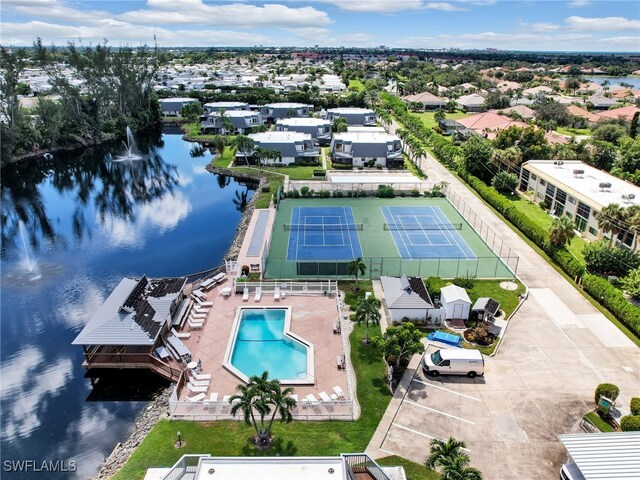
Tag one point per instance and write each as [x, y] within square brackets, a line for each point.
[601, 456]
[626, 113]
[172, 107]
[367, 149]
[367, 129]
[487, 124]
[428, 100]
[318, 128]
[471, 103]
[407, 298]
[600, 102]
[224, 106]
[539, 90]
[353, 116]
[244, 122]
[274, 111]
[579, 191]
[293, 147]
[522, 110]
[583, 113]
[347, 466]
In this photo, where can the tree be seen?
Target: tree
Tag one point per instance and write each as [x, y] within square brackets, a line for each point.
[356, 267]
[458, 469]
[572, 84]
[496, 100]
[399, 343]
[552, 111]
[225, 122]
[442, 451]
[244, 145]
[633, 127]
[340, 125]
[603, 155]
[477, 157]
[191, 111]
[631, 284]
[611, 133]
[505, 182]
[439, 115]
[562, 231]
[604, 259]
[262, 397]
[368, 311]
[630, 156]
[609, 220]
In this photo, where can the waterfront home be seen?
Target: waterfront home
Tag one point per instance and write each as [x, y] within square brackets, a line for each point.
[471, 103]
[318, 128]
[600, 102]
[274, 111]
[224, 106]
[625, 113]
[292, 147]
[347, 466]
[244, 122]
[172, 107]
[580, 191]
[583, 113]
[367, 149]
[353, 116]
[536, 91]
[127, 330]
[428, 100]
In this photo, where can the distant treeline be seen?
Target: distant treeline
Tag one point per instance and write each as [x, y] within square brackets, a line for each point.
[108, 89]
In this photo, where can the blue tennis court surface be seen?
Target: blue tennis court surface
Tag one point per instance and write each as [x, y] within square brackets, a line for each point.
[322, 233]
[425, 232]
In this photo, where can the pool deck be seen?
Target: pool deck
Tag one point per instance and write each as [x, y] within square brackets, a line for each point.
[312, 318]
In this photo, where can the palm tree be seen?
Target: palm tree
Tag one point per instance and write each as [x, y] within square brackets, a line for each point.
[240, 200]
[356, 267]
[562, 231]
[262, 397]
[609, 219]
[244, 145]
[439, 115]
[458, 468]
[219, 144]
[368, 311]
[226, 123]
[442, 451]
[223, 180]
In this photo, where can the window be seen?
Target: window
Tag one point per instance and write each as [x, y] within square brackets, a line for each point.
[436, 358]
[572, 199]
[446, 363]
[543, 182]
[524, 180]
[582, 216]
[534, 177]
[593, 231]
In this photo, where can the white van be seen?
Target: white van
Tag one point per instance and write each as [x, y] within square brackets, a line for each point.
[570, 471]
[454, 361]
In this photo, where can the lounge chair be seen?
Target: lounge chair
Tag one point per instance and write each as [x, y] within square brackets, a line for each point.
[311, 398]
[258, 294]
[196, 388]
[221, 277]
[339, 392]
[200, 310]
[180, 334]
[276, 293]
[245, 295]
[324, 397]
[201, 376]
[199, 294]
[196, 398]
[204, 304]
[199, 383]
[213, 397]
[195, 325]
[197, 317]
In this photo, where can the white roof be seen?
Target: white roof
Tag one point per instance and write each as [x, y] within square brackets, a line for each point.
[280, 137]
[366, 137]
[286, 105]
[453, 293]
[460, 353]
[586, 186]
[605, 456]
[272, 468]
[178, 99]
[307, 121]
[235, 113]
[366, 129]
[350, 110]
[225, 104]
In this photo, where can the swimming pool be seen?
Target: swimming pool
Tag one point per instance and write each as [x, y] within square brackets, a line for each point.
[261, 341]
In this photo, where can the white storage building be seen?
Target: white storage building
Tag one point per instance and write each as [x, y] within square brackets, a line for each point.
[455, 301]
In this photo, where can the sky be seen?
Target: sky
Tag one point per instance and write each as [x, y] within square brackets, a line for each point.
[550, 25]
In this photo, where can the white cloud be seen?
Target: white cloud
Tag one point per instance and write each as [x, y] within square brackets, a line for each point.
[443, 6]
[544, 27]
[623, 40]
[391, 6]
[357, 39]
[601, 24]
[579, 3]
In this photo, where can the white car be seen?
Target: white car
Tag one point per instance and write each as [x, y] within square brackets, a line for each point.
[454, 361]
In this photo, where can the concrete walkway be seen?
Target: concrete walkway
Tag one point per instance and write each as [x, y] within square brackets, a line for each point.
[557, 349]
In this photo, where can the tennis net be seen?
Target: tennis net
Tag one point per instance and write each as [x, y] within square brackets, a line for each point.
[418, 227]
[320, 227]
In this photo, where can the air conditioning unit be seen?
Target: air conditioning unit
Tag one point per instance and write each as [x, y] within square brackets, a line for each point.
[604, 185]
[625, 196]
[631, 196]
[578, 171]
[558, 163]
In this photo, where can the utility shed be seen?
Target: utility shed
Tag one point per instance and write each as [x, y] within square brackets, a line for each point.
[485, 308]
[603, 456]
[406, 297]
[455, 301]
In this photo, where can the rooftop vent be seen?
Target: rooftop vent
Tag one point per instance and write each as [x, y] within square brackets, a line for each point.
[578, 171]
[558, 163]
[628, 196]
[604, 185]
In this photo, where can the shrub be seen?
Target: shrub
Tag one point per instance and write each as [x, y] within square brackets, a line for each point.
[360, 168]
[379, 167]
[612, 298]
[415, 192]
[544, 205]
[505, 182]
[608, 390]
[631, 283]
[464, 282]
[385, 191]
[630, 423]
[480, 334]
[324, 194]
[304, 191]
[341, 166]
[338, 194]
[265, 189]
[604, 259]
[635, 406]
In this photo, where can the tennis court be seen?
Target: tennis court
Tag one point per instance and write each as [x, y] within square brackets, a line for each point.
[318, 237]
[425, 232]
[322, 233]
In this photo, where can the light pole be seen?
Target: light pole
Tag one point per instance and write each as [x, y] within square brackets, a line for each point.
[179, 440]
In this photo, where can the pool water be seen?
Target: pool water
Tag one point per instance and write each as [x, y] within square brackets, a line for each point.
[261, 345]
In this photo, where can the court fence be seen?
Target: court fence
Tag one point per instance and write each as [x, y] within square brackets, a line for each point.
[355, 190]
[497, 245]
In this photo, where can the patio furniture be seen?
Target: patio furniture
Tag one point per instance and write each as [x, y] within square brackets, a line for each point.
[208, 284]
[204, 304]
[324, 397]
[197, 388]
[220, 277]
[199, 294]
[339, 392]
[213, 397]
[340, 362]
[199, 383]
[192, 365]
[180, 334]
[226, 292]
[276, 293]
[311, 398]
[245, 295]
[254, 267]
[336, 328]
[258, 294]
[200, 310]
[196, 398]
[195, 325]
[201, 376]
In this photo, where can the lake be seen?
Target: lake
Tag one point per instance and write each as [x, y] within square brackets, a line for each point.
[613, 81]
[86, 221]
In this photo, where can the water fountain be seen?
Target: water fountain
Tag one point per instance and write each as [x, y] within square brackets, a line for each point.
[27, 260]
[131, 151]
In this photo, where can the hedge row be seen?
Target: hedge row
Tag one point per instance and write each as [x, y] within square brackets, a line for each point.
[597, 287]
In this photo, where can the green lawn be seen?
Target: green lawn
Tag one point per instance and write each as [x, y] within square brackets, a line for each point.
[534, 212]
[275, 181]
[429, 122]
[409, 165]
[414, 471]
[355, 86]
[573, 131]
[296, 172]
[233, 438]
[225, 160]
[599, 423]
[192, 132]
[351, 297]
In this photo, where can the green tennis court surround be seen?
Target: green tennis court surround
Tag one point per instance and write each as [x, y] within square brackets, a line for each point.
[414, 236]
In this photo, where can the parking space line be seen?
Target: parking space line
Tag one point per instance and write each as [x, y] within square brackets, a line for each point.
[387, 451]
[438, 411]
[418, 433]
[447, 390]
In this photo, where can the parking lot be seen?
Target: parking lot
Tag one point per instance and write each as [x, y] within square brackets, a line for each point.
[538, 386]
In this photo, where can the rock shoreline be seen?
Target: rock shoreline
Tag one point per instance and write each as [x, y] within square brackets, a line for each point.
[147, 419]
